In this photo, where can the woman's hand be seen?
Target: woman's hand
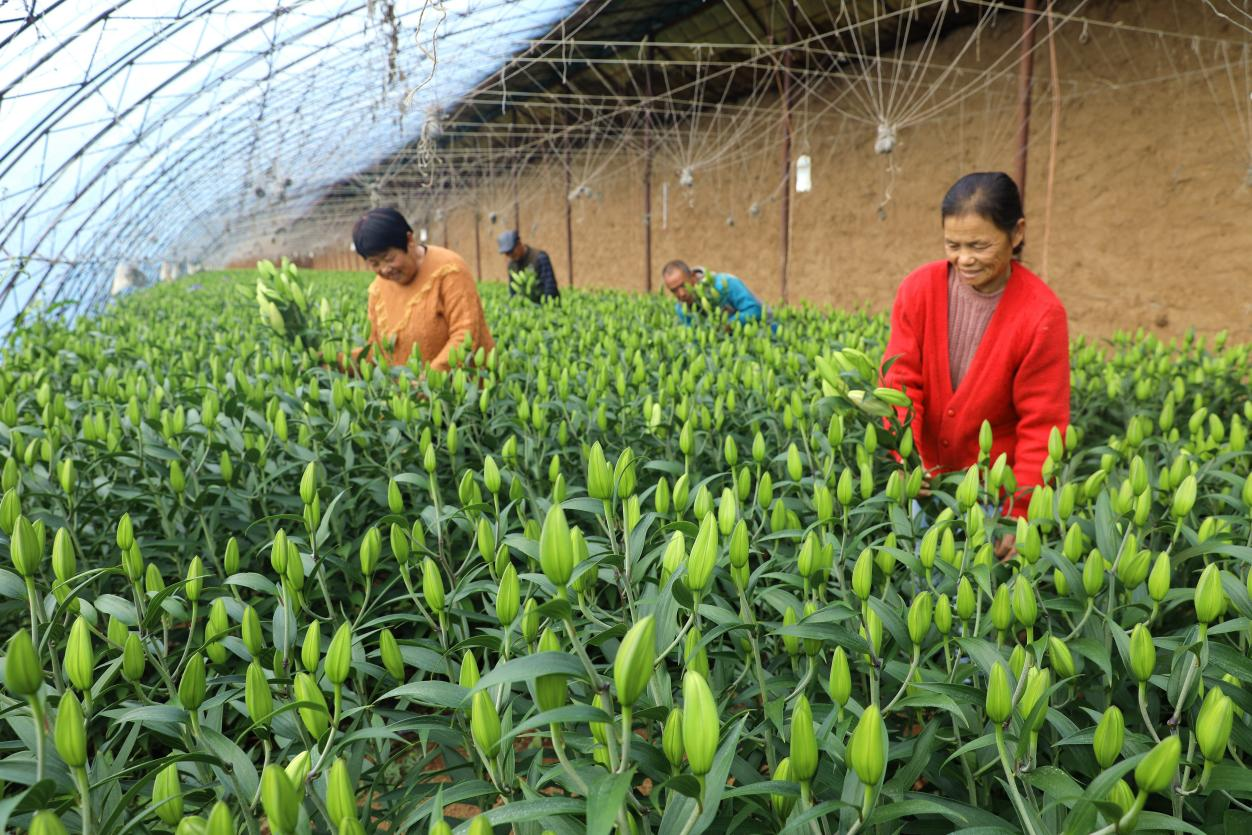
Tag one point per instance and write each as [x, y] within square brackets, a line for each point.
[1006, 548]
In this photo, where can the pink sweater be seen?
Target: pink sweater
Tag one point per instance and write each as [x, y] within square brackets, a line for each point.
[968, 314]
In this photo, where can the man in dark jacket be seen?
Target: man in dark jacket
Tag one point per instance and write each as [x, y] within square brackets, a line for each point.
[530, 270]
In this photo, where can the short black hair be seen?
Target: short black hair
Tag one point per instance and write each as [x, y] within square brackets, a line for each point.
[379, 230]
[675, 265]
[989, 194]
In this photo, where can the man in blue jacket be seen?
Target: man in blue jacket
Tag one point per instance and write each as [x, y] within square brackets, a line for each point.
[530, 270]
[703, 292]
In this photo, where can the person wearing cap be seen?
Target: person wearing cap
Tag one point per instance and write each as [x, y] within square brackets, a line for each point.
[530, 270]
[422, 298]
[702, 292]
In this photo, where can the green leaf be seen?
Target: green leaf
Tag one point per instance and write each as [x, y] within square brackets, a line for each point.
[521, 811]
[605, 800]
[528, 667]
[431, 693]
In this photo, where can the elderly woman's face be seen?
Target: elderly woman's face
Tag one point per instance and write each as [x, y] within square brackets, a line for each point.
[398, 265]
[980, 253]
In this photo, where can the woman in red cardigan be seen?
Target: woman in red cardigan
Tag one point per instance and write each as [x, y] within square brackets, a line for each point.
[978, 337]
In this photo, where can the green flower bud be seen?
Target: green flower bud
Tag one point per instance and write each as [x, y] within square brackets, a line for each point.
[1033, 696]
[1212, 727]
[10, 510]
[257, 695]
[80, 658]
[432, 585]
[999, 695]
[70, 733]
[556, 552]
[230, 556]
[479, 825]
[1109, 735]
[840, 683]
[491, 475]
[311, 648]
[1025, 609]
[440, 827]
[863, 574]
[308, 483]
[703, 557]
[803, 752]
[395, 499]
[1210, 598]
[279, 552]
[64, 563]
[1093, 574]
[191, 687]
[134, 659]
[339, 655]
[1142, 653]
[550, 690]
[867, 751]
[399, 543]
[221, 821]
[125, 533]
[943, 615]
[340, 793]
[1158, 579]
[23, 674]
[485, 723]
[1060, 657]
[985, 438]
[316, 717]
[672, 738]
[919, 617]
[25, 548]
[297, 771]
[371, 548]
[530, 621]
[632, 667]
[280, 801]
[508, 596]
[1155, 772]
[1002, 608]
[967, 490]
[599, 477]
[1184, 498]
[389, 651]
[965, 599]
[167, 795]
[46, 822]
[701, 726]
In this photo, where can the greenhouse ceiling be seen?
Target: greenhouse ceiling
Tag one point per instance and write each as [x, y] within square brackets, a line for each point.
[139, 131]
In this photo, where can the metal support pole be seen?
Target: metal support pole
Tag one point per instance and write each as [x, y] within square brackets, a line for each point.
[784, 83]
[647, 172]
[569, 225]
[478, 252]
[1025, 79]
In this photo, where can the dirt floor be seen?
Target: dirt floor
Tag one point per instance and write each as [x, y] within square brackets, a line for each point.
[1148, 224]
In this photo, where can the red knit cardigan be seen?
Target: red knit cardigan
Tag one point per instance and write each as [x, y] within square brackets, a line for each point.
[1018, 378]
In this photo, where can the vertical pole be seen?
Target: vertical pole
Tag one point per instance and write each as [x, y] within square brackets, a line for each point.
[1025, 78]
[517, 207]
[478, 252]
[445, 228]
[784, 83]
[569, 223]
[647, 173]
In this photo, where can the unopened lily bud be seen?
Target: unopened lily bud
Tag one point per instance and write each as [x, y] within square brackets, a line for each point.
[599, 477]
[1033, 695]
[1109, 736]
[984, 438]
[280, 800]
[340, 793]
[258, 697]
[1061, 658]
[1213, 724]
[134, 659]
[867, 750]
[469, 671]
[439, 827]
[167, 795]
[556, 552]
[703, 557]
[1093, 574]
[23, 673]
[701, 726]
[316, 717]
[999, 695]
[432, 585]
[371, 548]
[221, 821]
[1184, 498]
[339, 655]
[485, 723]
[1025, 608]
[125, 533]
[70, 732]
[1142, 653]
[311, 648]
[80, 658]
[297, 771]
[966, 601]
[783, 803]
[839, 686]
[1073, 544]
[1158, 578]
[943, 615]
[967, 490]
[230, 556]
[863, 574]
[1002, 608]
[10, 509]
[1210, 597]
[191, 687]
[25, 548]
[279, 552]
[1155, 772]
[632, 667]
[803, 752]
[550, 690]
[919, 617]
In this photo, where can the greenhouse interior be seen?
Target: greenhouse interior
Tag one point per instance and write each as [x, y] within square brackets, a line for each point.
[378, 453]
